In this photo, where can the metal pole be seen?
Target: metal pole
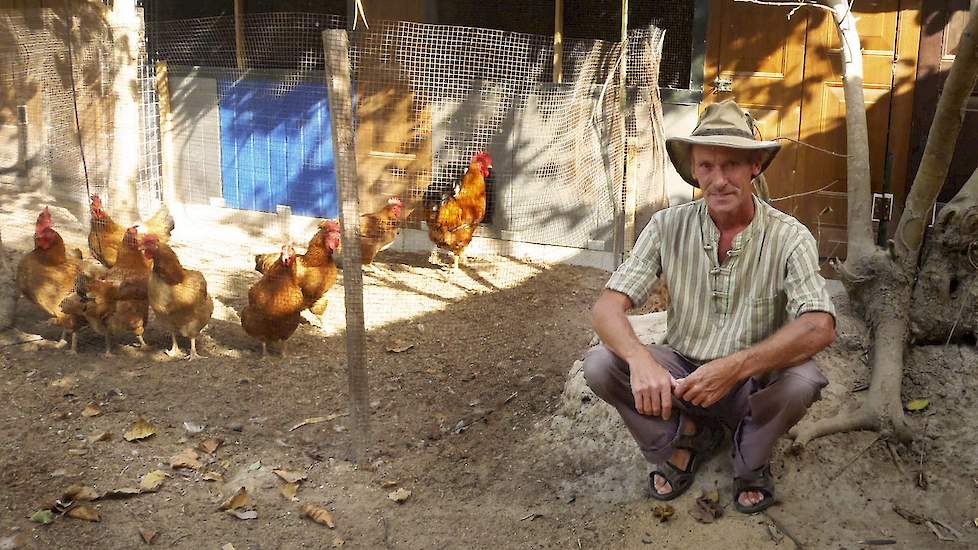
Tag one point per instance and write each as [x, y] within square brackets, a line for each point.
[336, 43]
[558, 41]
[619, 244]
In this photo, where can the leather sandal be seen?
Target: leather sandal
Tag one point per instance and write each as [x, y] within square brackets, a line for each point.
[701, 446]
[758, 480]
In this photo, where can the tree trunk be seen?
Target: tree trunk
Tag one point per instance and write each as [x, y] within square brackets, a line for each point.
[881, 283]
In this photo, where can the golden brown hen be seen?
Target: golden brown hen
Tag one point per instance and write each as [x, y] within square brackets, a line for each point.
[177, 295]
[274, 303]
[379, 229]
[46, 276]
[454, 215]
[105, 235]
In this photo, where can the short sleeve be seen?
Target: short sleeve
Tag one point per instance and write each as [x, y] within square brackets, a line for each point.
[804, 286]
[636, 276]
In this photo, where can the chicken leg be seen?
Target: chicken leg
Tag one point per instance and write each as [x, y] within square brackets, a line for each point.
[108, 346]
[193, 350]
[174, 350]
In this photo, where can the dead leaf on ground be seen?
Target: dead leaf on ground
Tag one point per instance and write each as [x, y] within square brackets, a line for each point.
[212, 476]
[388, 483]
[399, 495]
[707, 507]
[91, 410]
[318, 514]
[186, 459]
[398, 347]
[228, 546]
[43, 517]
[84, 512]
[140, 430]
[210, 445]
[289, 491]
[193, 427]
[289, 476]
[237, 500]
[148, 536]
[79, 492]
[65, 382]
[151, 481]
[125, 492]
[103, 436]
[337, 542]
[244, 514]
[918, 405]
[663, 512]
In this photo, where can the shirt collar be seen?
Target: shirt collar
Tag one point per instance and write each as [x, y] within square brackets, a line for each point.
[711, 234]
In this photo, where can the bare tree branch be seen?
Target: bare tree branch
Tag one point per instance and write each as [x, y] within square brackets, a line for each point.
[940, 146]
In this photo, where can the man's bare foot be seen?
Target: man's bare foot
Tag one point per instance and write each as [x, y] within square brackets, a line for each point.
[750, 498]
[679, 459]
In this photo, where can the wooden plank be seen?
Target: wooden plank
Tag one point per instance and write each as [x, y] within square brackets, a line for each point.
[559, 41]
[336, 43]
[166, 131]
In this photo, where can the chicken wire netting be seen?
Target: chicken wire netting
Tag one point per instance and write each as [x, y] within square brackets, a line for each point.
[231, 126]
[66, 131]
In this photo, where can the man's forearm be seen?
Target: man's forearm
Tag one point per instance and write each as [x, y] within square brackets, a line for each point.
[613, 327]
[791, 345]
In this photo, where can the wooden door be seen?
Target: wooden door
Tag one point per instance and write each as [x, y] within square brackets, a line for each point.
[756, 55]
[787, 72]
[887, 31]
[938, 46]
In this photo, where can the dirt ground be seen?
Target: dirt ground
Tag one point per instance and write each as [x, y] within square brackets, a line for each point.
[473, 419]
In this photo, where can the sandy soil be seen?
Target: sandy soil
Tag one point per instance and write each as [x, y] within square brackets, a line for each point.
[474, 419]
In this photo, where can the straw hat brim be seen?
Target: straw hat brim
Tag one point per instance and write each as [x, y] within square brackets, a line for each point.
[679, 149]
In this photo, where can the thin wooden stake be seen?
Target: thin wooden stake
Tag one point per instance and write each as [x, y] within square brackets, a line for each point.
[336, 43]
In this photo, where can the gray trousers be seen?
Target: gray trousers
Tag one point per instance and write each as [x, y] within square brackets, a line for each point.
[758, 412]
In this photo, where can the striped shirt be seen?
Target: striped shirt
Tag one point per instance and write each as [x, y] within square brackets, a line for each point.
[770, 276]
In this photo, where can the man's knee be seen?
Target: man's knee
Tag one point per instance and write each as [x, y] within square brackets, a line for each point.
[598, 369]
[798, 392]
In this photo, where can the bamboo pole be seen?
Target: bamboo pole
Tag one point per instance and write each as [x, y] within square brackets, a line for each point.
[239, 35]
[336, 43]
[558, 41]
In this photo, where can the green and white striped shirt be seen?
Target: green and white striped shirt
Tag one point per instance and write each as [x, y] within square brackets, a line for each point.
[771, 275]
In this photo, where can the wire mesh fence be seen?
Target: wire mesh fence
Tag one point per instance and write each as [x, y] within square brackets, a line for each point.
[474, 171]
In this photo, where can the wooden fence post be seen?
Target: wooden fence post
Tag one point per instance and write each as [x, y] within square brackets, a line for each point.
[336, 44]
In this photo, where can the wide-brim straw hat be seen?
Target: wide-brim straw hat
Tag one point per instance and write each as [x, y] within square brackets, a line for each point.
[722, 124]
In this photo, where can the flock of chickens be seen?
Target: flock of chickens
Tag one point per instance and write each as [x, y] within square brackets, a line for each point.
[133, 270]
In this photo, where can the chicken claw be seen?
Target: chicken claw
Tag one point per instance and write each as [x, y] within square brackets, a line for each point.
[174, 350]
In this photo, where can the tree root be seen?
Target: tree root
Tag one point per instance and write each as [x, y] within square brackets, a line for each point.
[888, 425]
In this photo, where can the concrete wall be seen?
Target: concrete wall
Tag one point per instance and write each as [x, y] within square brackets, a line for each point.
[679, 118]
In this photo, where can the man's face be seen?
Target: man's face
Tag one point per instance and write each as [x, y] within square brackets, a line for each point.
[725, 175]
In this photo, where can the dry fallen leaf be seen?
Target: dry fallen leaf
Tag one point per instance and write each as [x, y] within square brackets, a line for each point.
[210, 445]
[318, 514]
[186, 459]
[399, 495]
[151, 482]
[140, 430]
[398, 347]
[79, 492]
[663, 512]
[64, 382]
[706, 509]
[84, 512]
[44, 516]
[918, 405]
[104, 436]
[237, 500]
[289, 491]
[228, 546]
[124, 492]
[148, 536]
[212, 476]
[193, 427]
[244, 514]
[337, 542]
[388, 483]
[91, 410]
[290, 477]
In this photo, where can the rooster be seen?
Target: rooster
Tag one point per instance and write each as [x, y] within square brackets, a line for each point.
[46, 276]
[117, 302]
[178, 296]
[379, 229]
[105, 235]
[315, 271]
[274, 303]
[453, 215]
